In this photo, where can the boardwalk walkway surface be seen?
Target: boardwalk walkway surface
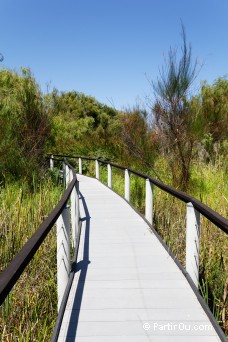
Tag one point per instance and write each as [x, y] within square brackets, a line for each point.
[127, 287]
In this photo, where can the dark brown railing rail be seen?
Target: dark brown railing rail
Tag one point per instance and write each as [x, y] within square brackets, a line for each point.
[11, 274]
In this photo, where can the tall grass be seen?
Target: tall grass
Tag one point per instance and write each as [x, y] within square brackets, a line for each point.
[211, 188]
[29, 312]
[209, 185]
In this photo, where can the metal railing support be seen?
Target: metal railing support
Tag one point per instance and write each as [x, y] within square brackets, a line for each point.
[73, 212]
[77, 210]
[64, 171]
[63, 252]
[127, 185]
[109, 175]
[192, 242]
[149, 201]
[51, 162]
[97, 169]
[80, 165]
[67, 175]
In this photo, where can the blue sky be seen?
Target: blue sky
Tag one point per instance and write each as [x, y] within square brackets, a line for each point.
[110, 48]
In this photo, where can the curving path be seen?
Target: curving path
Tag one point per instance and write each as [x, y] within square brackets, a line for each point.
[127, 287]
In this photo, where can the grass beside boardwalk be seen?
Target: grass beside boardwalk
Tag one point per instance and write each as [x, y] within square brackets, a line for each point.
[29, 312]
[209, 185]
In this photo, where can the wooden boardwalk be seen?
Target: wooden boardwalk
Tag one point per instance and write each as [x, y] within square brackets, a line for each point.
[127, 287]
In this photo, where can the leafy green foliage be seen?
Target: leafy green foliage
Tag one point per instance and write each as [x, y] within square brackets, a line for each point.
[214, 107]
[210, 109]
[24, 124]
[80, 124]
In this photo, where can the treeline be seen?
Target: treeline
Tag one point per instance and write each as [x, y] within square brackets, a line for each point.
[34, 124]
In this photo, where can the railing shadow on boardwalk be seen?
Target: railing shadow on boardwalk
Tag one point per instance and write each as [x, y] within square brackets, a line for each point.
[82, 267]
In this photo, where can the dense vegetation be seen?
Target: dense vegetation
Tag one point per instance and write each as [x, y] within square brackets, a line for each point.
[180, 139]
[24, 124]
[33, 124]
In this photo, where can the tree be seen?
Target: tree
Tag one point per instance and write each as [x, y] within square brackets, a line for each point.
[172, 114]
[24, 124]
[80, 124]
[138, 139]
[211, 108]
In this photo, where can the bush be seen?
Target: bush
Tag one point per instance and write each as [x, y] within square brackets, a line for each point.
[24, 124]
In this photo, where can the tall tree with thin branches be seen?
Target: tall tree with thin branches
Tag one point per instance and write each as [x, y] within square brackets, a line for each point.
[172, 114]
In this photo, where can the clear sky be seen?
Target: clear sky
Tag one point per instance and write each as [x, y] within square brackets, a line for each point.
[110, 48]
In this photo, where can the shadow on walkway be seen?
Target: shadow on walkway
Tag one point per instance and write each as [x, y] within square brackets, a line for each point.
[81, 267]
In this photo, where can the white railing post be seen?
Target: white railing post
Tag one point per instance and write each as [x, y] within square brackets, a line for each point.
[80, 165]
[51, 162]
[149, 201]
[97, 169]
[109, 176]
[73, 212]
[77, 209]
[63, 252]
[64, 171]
[127, 185]
[192, 242]
[67, 175]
